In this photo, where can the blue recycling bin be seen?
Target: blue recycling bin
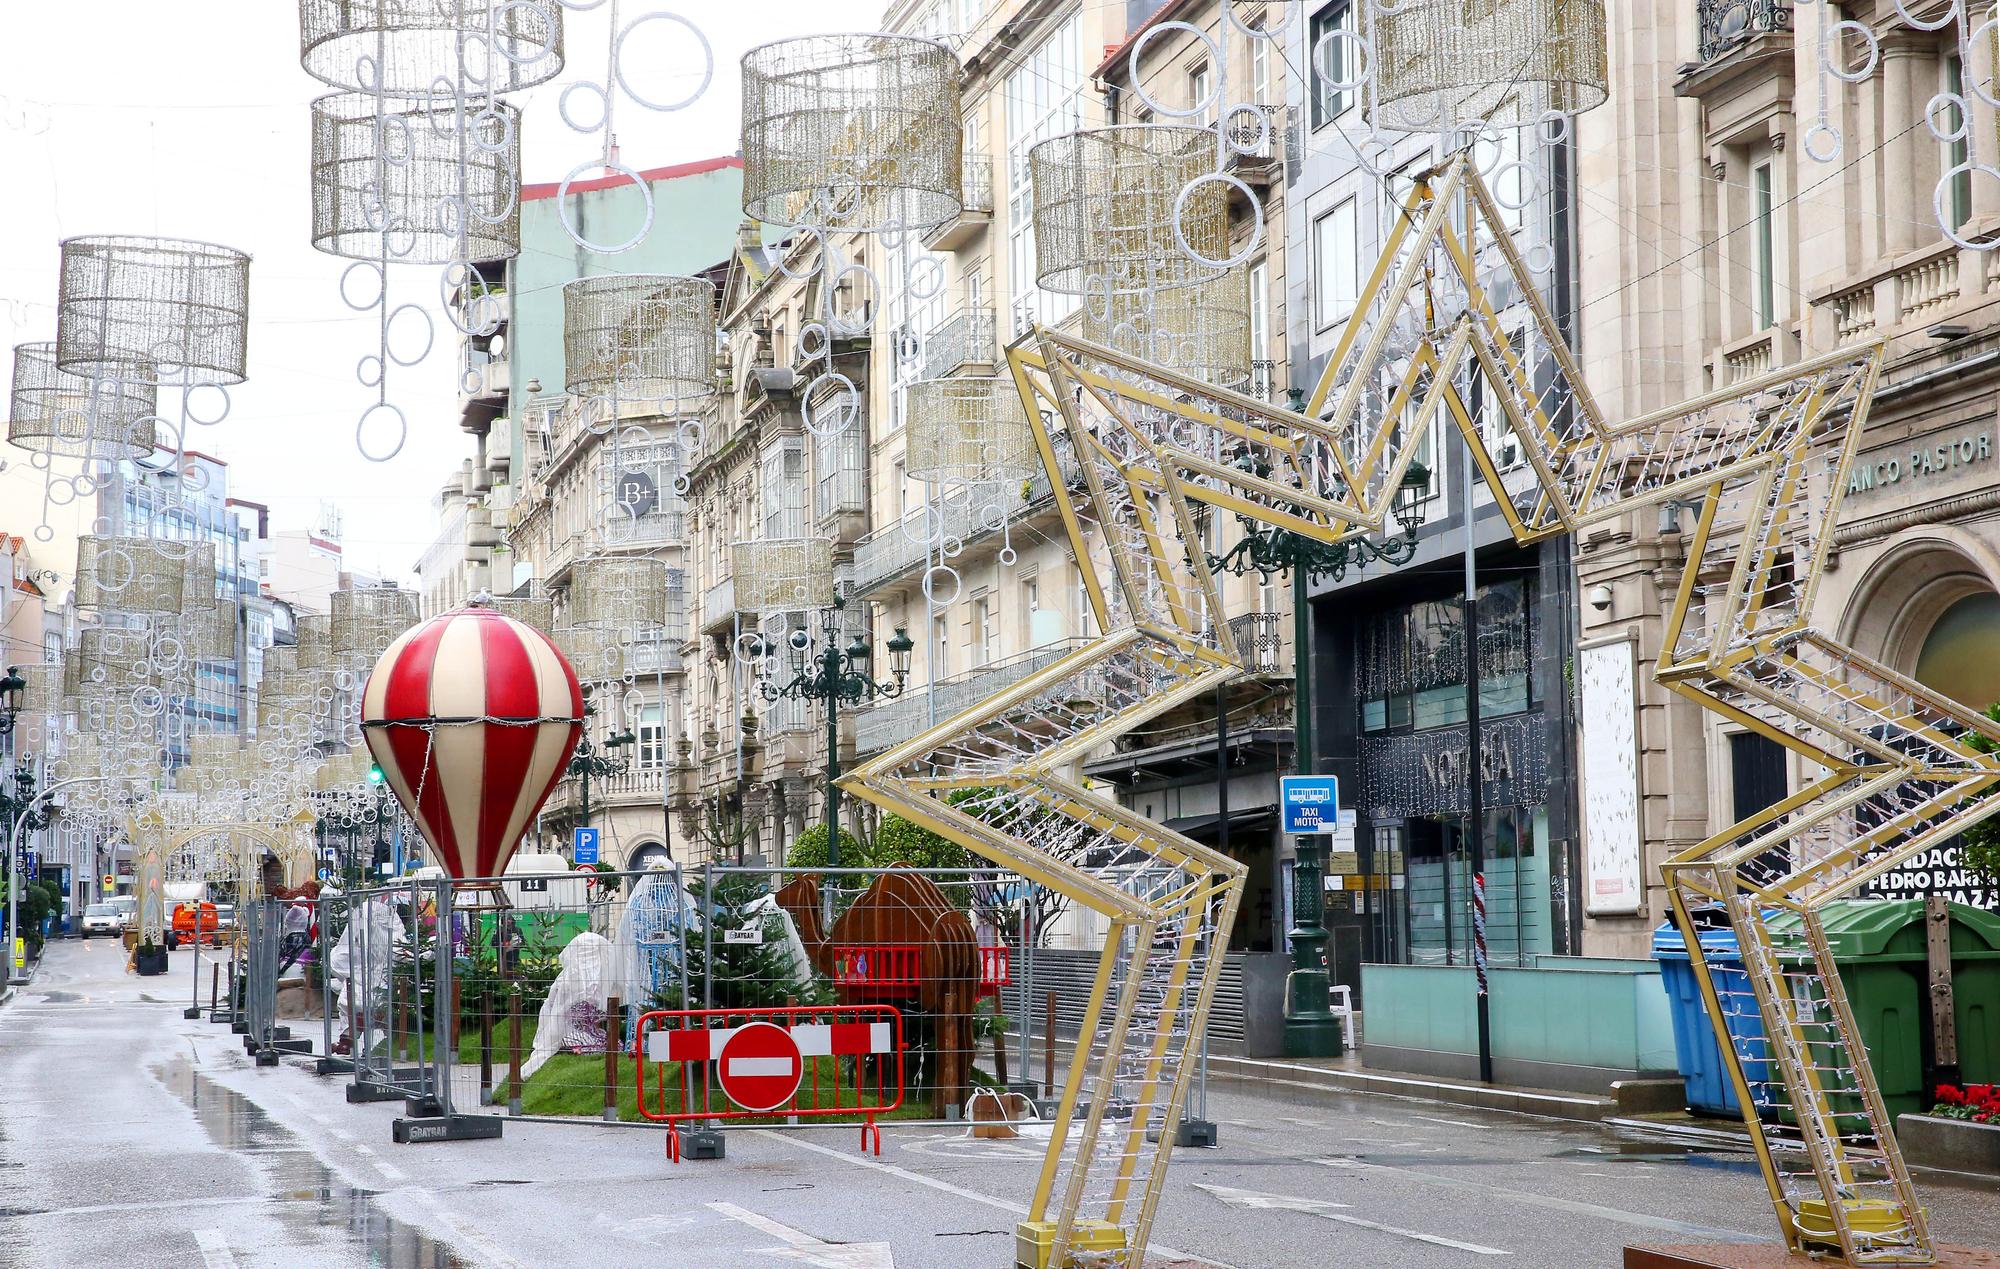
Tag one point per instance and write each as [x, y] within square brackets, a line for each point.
[1709, 1090]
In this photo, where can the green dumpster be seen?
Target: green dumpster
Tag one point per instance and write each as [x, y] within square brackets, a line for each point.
[1880, 948]
[1975, 978]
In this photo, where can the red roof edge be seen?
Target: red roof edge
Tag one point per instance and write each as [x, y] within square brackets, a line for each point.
[1113, 54]
[549, 189]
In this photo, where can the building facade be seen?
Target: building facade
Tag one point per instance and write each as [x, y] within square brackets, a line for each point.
[1721, 248]
[557, 482]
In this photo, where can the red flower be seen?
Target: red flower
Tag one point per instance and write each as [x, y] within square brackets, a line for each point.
[1950, 1095]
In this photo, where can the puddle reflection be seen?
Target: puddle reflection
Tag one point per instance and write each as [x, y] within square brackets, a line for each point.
[309, 1196]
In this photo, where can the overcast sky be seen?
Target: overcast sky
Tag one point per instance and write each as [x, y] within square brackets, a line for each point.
[190, 120]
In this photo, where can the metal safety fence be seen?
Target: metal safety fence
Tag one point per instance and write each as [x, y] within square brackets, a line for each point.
[528, 994]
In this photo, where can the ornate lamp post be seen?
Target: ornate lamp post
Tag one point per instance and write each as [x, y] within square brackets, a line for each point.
[587, 762]
[11, 689]
[1310, 1027]
[834, 674]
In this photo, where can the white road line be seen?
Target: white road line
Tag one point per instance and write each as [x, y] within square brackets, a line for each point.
[765, 1225]
[1456, 1123]
[389, 1170]
[1324, 1211]
[487, 1252]
[918, 1178]
[1531, 1199]
[215, 1251]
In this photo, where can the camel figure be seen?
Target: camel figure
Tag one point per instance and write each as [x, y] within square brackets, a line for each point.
[902, 909]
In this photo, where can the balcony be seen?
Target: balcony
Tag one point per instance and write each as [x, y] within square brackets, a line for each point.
[636, 786]
[718, 605]
[899, 551]
[1259, 138]
[1727, 25]
[1263, 643]
[892, 723]
[975, 209]
[962, 344]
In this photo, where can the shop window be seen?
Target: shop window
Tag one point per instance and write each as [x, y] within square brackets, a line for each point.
[1410, 662]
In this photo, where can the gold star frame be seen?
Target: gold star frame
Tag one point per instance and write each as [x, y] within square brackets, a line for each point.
[1450, 321]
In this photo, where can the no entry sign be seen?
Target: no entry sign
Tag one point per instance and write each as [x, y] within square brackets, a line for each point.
[760, 1067]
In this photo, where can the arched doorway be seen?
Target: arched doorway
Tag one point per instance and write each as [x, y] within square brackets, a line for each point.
[648, 855]
[1960, 655]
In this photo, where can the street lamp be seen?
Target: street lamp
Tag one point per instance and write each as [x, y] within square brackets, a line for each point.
[1311, 1030]
[586, 762]
[11, 688]
[834, 674]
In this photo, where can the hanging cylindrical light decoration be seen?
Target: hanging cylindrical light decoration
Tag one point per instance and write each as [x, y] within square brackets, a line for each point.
[72, 416]
[145, 577]
[1123, 209]
[163, 310]
[1443, 64]
[967, 430]
[423, 182]
[313, 641]
[368, 620]
[853, 132]
[402, 48]
[626, 593]
[648, 337]
[1202, 331]
[783, 574]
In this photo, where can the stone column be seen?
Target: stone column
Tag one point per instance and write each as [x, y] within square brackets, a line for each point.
[1982, 73]
[1906, 196]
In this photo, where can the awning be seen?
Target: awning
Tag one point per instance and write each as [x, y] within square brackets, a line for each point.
[1255, 823]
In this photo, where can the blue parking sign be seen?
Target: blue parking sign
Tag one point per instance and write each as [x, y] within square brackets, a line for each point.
[1311, 803]
[583, 845]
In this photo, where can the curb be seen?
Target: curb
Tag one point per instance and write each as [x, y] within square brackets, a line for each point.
[1316, 1084]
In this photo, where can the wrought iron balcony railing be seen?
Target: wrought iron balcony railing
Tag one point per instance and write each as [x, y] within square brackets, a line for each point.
[1727, 23]
[966, 338]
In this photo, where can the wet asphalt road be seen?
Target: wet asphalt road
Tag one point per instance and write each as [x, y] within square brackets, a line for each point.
[129, 1136]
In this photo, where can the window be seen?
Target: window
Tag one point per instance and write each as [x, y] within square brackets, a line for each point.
[1031, 603]
[985, 632]
[1327, 62]
[1086, 616]
[1261, 365]
[1766, 297]
[1409, 665]
[652, 738]
[1042, 98]
[900, 481]
[940, 649]
[1958, 201]
[1336, 265]
[1201, 84]
[1260, 69]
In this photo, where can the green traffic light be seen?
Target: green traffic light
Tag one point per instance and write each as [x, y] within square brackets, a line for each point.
[375, 773]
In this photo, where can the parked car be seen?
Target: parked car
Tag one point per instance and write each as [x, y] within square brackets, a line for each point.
[183, 928]
[101, 918]
[126, 907]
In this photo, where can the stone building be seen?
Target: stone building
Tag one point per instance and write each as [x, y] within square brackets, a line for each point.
[1721, 236]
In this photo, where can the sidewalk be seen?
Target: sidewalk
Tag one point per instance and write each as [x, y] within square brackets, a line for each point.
[1320, 1080]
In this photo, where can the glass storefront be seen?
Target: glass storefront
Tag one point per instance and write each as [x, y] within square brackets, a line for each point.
[1414, 894]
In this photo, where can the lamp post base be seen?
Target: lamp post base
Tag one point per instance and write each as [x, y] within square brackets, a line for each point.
[1313, 1037]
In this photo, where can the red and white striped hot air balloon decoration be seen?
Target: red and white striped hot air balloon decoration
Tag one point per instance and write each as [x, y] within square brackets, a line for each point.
[472, 716]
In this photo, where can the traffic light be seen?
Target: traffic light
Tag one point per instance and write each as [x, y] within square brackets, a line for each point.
[375, 773]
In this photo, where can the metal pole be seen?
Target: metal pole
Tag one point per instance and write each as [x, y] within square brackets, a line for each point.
[1475, 783]
[1311, 1030]
[14, 860]
[832, 685]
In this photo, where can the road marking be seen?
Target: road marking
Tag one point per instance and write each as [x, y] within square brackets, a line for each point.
[1325, 1211]
[389, 1170]
[1617, 1214]
[802, 1246]
[487, 1251]
[1456, 1123]
[918, 1178]
[215, 1251]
